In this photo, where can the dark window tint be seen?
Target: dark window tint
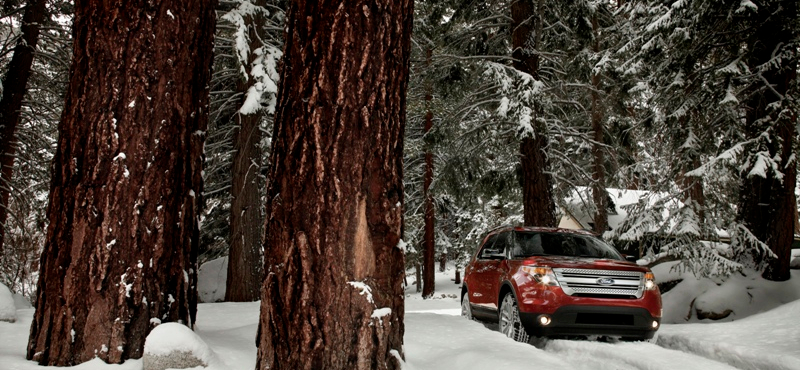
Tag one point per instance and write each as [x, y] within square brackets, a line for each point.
[528, 244]
[502, 241]
[488, 245]
[495, 244]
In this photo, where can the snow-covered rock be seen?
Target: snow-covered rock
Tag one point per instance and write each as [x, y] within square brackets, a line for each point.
[211, 278]
[729, 298]
[8, 311]
[175, 346]
[795, 264]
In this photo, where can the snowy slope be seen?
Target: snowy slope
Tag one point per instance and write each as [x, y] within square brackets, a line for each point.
[770, 340]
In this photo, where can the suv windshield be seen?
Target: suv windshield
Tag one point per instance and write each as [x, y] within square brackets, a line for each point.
[527, 244]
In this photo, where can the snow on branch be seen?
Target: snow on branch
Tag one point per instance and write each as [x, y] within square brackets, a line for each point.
[520, 94]
[748, 247]
[259, 64]
[727, 157]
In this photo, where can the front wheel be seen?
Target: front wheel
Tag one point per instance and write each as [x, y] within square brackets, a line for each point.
[510, 323]
[466, 310]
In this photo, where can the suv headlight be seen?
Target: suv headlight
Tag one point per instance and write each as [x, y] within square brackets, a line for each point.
[542, 275]
[650, 281]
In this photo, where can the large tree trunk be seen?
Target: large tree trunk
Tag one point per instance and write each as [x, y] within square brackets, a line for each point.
[537, 192]
[599, 195]
[766, 204]
[428, 238]
[120, 250]
[245, 262]
[332, 296]
[14, 87]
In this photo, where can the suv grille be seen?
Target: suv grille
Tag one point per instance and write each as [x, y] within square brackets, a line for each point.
[600, 282]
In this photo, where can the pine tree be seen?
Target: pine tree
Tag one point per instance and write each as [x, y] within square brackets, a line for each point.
[451, 41]
[332, 297]
[257, 90]
[120, 253]
[537, 183]
[766, 197]
[35, 143]
[714, 75]
[14, 88]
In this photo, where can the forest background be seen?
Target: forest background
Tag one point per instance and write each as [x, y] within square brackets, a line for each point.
[692, 102]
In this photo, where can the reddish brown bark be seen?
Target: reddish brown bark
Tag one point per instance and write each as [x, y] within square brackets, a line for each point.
[14, 88]
[245, 262]
[599, 195]
[120, 250]
[537, 192]
[428, 238]
[335, 191]
[418, 276]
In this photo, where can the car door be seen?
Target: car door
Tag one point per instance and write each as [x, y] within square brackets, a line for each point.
[499, 268]
[487, 272]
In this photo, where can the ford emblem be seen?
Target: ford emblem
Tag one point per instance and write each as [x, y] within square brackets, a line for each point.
[605, 281]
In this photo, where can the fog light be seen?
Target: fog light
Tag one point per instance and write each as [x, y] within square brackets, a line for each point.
[655, 324]
[544, 320]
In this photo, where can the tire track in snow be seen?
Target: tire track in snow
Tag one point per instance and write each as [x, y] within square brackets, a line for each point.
[632, 355]
[739, 354]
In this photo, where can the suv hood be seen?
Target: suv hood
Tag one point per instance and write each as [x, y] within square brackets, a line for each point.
[583, 263]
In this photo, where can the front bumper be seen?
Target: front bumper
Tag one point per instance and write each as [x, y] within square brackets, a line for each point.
[626, 322]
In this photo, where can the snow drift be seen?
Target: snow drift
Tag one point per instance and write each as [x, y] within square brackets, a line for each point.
[8, 311]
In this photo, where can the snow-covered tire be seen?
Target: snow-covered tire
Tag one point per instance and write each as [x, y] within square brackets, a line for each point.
[510, 323]
[466, 310]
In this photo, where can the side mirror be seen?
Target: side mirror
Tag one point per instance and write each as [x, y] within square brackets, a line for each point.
[494, 254]
[631, 258]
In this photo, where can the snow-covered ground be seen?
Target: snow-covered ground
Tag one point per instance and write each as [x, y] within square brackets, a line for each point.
[8, 311]
[736, 297]
[436, 337]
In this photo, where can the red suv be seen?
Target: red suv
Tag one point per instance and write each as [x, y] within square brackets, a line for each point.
[547, 282]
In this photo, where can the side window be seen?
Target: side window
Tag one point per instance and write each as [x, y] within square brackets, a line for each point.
[496, 244]
[502, 241]
[489, 245]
